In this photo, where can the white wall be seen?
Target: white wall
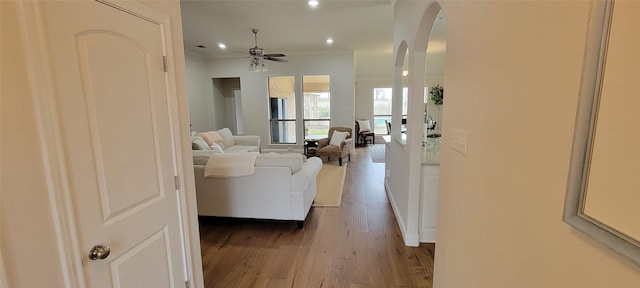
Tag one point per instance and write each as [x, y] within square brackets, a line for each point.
[200, 94]
[340, 66]
[512, 77]
[219, 113]
[26, 222]
[364, 96]
[374, 65]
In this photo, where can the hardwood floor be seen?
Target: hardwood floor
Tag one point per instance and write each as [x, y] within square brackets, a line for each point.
[356, 245]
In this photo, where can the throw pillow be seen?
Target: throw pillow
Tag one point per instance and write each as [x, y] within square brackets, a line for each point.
[364, 125]
[227, 137]
[197, 143]
[337, 137]
[216, 148]
[211, 137]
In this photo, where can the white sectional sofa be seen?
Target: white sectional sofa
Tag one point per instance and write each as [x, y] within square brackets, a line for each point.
[283, 188]
[227, 141]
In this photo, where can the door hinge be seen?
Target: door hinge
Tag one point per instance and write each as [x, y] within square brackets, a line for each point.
[164, 63]
[176, 180]
[186, 284]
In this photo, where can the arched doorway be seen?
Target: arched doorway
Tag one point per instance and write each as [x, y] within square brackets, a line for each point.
[404, 170]
[400, 101]
[433, 103]
[424, 176]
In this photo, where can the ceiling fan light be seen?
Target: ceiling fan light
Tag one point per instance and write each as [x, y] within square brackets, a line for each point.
[313, 3]
[258, 56]
[329, 41]
[257, 66]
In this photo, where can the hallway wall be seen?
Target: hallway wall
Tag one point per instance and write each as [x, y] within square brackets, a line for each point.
[512, 78]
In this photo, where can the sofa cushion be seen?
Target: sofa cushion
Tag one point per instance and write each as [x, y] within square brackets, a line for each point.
[227, 137]
[247, 140]
[337, 138]
[198, 143]
[241, 148]
[294, 161]
[291, 160]
[330, 149]
[200, 157]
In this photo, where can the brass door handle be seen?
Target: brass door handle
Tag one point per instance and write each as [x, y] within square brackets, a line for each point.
[99, 252]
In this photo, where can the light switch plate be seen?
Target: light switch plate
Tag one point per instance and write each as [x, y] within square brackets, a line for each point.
[459, 140]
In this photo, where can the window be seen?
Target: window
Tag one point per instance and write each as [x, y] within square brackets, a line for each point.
[282, 109]
[316, 115]
[317, 103]
[381, 109]
[382, 103]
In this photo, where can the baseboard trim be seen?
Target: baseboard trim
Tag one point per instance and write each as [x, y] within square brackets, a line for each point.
[412, 240]
[428, 235]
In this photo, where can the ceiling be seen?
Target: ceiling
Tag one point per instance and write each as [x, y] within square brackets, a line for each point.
[291, 27]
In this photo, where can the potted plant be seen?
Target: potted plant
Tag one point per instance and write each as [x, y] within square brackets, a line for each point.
[437, 97]
[437, 94]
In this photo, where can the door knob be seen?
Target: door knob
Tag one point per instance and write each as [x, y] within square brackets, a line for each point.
[99, 252]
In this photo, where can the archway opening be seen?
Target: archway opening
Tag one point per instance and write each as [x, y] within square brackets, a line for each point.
[434, 90]
[400, 94]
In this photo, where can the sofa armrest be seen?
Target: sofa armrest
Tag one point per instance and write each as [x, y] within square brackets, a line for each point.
[323, 142]
[301, 179]
[345, 144]
[247, 140]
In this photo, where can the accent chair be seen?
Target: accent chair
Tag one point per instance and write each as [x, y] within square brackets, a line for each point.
[338, 144]
[364, 131]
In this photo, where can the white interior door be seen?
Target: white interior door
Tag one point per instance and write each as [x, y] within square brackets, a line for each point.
[237, 95]
[230, 114]
[114, 112]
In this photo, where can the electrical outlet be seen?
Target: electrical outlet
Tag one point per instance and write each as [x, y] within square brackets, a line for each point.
[459, 140]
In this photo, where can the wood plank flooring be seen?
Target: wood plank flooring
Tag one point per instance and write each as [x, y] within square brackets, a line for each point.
[356, 245]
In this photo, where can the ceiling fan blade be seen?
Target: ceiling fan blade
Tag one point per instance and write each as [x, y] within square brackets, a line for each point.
[275, 59]
[258, 53]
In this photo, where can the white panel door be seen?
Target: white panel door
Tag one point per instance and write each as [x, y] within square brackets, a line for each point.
[115, 118]
[237, 95]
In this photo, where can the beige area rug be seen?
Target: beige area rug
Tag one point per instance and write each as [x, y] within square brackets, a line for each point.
[330, 182]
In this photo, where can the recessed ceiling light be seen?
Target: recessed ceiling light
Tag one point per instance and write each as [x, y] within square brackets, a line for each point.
[313, 3]
[222, 46]
[201, 46]
[329, 41]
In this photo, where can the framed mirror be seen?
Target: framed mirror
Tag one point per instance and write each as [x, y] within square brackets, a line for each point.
[602, 193]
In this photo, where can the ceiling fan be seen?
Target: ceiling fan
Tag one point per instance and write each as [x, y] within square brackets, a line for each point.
[258, 54]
